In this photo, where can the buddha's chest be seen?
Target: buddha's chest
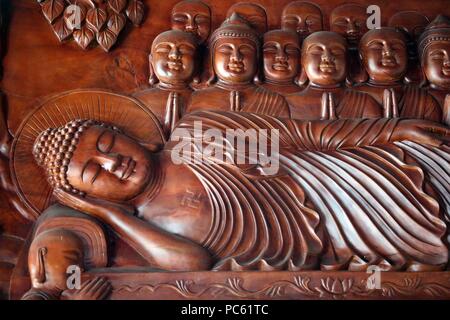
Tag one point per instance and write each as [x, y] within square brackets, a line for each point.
[181, 207]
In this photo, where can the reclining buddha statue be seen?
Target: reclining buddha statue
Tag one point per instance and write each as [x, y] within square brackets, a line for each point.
[346, 193]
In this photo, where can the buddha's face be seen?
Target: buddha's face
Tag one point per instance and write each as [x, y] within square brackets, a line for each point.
[350, 22]
[254, 14]
[436, 64]
[235, 60]
[324, 58]
[301, 17]
[281, 52]
[173, 57]
[192, 16]
[51, 253]
[384, 55]
[109, 165]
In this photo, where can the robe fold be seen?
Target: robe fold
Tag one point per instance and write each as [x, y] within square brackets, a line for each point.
[344, 197]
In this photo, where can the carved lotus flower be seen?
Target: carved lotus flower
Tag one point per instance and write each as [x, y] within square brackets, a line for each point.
[337, 287]
[91, 21]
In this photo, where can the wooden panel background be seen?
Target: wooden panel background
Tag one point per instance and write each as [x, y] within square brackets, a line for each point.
[37, 65]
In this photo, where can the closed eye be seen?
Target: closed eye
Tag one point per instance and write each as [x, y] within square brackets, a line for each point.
[269, 49]
[162, 49]
[90, 172]
[179, 18]
[225, 49]
[202, 19]
[106, 141]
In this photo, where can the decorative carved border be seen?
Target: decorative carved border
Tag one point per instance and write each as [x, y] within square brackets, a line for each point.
[278, 285]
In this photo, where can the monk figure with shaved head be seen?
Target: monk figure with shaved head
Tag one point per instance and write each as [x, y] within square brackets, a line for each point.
[172, 69]
[384, 55]
[324, 61]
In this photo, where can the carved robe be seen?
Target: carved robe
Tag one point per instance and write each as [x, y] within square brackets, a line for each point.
[413, 102]
[246, 99]
[344, 198]
[439, 95]
[162, 103]
[306, 105]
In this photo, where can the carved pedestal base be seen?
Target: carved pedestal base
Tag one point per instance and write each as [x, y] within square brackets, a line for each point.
[276, 285]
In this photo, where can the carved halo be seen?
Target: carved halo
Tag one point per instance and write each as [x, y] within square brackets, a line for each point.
[123, 112]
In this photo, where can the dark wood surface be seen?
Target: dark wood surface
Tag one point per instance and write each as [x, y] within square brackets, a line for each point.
[42, 76]
[37, 65]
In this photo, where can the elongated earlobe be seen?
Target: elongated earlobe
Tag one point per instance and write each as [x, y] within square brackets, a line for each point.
[257, 79]
[152, 78]
[302, 79]
[423, 80]
[41, 265]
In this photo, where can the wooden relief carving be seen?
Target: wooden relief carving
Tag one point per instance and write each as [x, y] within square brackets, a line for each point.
[235, 53]
[281, 60]
[412, 23]
[290, 159]
[253, 13]
[434, 50]
[91, 22]
[192, 16]
[302, 17]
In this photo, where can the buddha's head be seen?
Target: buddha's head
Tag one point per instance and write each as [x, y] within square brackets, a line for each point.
[302, 17]
[412, 24]
[253, 13]
[192, 16]
[349, 20]
[173, 57]
[324, 58]
[50, 254]
[281, 55]
[89, 157]
[235, 51]
[434, 51]
[384, 55]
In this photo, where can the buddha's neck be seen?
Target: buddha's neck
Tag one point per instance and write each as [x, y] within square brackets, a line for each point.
[153, 185]
[390, 83]
[284, 82]
[175, 86]
[232, 86]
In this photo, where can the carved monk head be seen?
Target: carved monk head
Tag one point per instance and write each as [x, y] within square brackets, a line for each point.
[324, 58]
[349, 20]
[192, 16]
[253, 13]
[434, 51]
[234, 51]
[51, 253]
[281, 52]
[172, 58]
[384, 54]
[412, 23]
[302, 17]
[88, 157]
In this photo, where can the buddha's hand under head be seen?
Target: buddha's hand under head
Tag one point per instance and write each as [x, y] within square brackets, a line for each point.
[94, 289]
[98, 208]
[421, 131]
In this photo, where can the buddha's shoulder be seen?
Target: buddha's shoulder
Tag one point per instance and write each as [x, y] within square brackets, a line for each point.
[151, 95]
[209, 97]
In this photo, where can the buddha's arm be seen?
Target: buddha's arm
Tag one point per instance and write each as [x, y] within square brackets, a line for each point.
[160, 248]
[338, 134]
[320, 135]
